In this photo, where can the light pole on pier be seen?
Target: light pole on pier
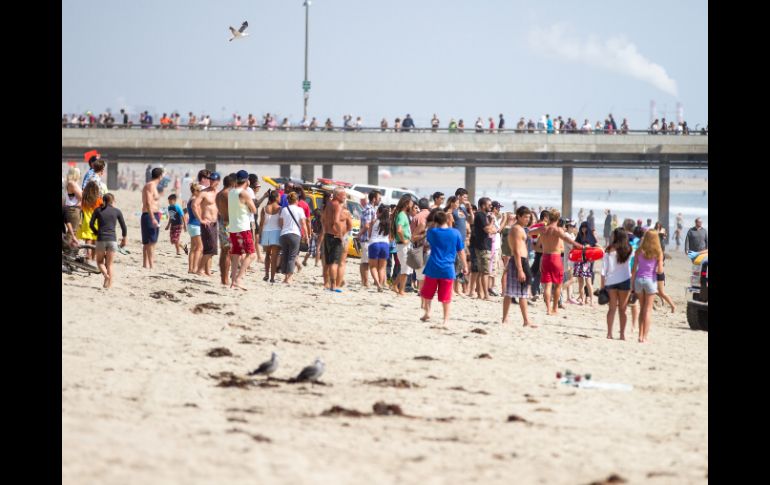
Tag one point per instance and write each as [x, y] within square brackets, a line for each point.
[306, 82]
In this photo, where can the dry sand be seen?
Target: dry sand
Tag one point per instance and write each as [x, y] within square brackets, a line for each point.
[139, 404]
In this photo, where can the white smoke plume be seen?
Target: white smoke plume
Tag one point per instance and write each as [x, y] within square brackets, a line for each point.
[615, 54]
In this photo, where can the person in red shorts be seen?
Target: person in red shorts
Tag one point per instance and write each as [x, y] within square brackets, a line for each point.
[552, 269]
[445, 245]
[240, 212]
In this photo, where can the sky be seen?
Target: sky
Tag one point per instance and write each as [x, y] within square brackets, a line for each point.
[375, 59]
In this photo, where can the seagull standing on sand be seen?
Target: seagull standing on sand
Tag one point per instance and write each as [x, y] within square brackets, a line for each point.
[267, 367]
[237, 34]
[312, 372]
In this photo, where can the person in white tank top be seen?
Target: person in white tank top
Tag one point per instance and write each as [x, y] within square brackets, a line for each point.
[271, 222]
[240, 210]
[269, 235]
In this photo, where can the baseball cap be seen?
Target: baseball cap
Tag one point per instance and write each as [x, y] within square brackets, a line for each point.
[89, 155]
[215, 176]
[242, 175]
[496, 204]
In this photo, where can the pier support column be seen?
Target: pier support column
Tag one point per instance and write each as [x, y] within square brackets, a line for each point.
[664, 192]
[470, 183]
[566, 191]
[373, 175]
[286, 170]
[308, 173]
[112, 175]
[328, 171]
[211, 166]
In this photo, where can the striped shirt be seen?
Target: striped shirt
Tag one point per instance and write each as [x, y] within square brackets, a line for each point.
[367, 217]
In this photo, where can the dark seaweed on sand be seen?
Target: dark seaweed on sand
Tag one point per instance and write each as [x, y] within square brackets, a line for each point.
[219, 352]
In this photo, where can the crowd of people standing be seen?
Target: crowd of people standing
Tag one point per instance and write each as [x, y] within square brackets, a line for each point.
[447, 247]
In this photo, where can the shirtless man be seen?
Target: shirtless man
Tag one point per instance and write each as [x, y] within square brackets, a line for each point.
[552, 270]
[518, 274]
[203, 177]
[209, 213]
[347, 221]
[222, 227]
[150, 220]
[334, 231]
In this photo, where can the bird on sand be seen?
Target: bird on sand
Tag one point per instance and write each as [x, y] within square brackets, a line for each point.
[266, 368]
[312, 372]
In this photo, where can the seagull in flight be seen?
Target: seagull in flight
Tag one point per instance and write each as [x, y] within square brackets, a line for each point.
[239, 33]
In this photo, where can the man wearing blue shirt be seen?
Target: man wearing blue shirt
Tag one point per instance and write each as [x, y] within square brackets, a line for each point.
[90, 158]
[408, 123]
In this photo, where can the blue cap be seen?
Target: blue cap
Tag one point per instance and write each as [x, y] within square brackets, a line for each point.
[242, 175]
[215, 176]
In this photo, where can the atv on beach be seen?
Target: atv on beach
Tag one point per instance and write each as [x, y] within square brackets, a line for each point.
[698, 306]
[314, 193]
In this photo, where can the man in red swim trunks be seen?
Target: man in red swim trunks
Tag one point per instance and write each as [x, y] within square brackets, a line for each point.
[552, 269]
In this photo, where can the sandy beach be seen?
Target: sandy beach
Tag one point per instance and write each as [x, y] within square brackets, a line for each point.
[141, 400]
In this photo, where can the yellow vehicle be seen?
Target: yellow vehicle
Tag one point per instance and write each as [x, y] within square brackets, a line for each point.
[314, 195]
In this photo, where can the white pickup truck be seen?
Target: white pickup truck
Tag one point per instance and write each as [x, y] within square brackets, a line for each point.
[390, 195]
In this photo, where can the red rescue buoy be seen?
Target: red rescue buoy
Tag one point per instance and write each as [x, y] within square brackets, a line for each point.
[591, 254]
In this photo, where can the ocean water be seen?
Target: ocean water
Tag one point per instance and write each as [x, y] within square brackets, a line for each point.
[635, 204]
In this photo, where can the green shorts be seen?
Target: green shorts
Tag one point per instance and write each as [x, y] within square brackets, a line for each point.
[483, 259]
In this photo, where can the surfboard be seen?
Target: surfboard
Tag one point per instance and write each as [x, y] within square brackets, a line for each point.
[535, 226]
[339, 183]
[589, 253]
[589, 384]
[696, 257]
